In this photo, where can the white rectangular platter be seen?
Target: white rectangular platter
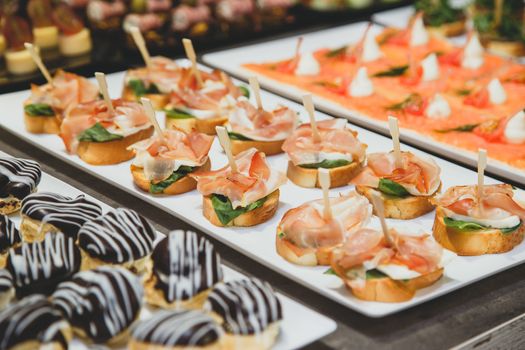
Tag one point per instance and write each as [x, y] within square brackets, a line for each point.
[232, 60]
[300, 325]
[259, 242]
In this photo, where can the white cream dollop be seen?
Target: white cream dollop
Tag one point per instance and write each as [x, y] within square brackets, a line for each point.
[497, 94]
[430, 66]
[398, 272]
[307, 65]
[361, 85]
[473, 53]
[438, 108]
[515, 129]
[418, 34]
[371, 50]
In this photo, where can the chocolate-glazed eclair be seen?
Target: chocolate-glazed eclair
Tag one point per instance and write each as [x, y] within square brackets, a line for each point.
[44, 213]
[120, 237]
[9, 238]
[101, 304]
[7, 290]
[250, 313]
[39, 267]
[174, 330]
[182, 271]
[18, 179]
[33, 323]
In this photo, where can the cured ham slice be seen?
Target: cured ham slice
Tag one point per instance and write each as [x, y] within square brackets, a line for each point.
[129, 118]
[68, 89]
[160, 158]
[261, 125]
[306, 226]
[164, 73]
[419, 176]
[253, 181]
[337, 142]
[367, 249]
[498, 202]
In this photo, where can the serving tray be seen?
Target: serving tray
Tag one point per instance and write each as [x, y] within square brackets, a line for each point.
[232, 60]
[258, 242]
[299, 327]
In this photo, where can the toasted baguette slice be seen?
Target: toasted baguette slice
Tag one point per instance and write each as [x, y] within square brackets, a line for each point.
[251, 218]
[183, 185]
[302, 256]
[206, 126]
[267, 147]
[448, 29]
[339, 176]
[387, 290]
[506, 48]
[111, 152]
[476, 242]
[159, 101]
[42, 124]
[400, 208]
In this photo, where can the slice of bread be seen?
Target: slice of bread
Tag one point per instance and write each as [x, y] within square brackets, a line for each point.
[251, 218]
[267, 147]
[403, 208]
[184, 184]
[111, 152]
[302, 256]
[42, 124]
[506, 48]
[159, 101]
[475, 242]
[206, 126]
[339, 176]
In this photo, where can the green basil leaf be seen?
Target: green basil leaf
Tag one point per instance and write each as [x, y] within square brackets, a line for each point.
[245, 91]
[224, 209]
[373, 274]
[411, 99]
[176, 113]
[159, 187]
[336, 52]
[472, 226]
[392, 72]
[281, 234]
[463, 92]
[238, 137]
[39, 110]
[510, 229]
[330, 271]
[97, 133]
[392, 188]
[140, 89]
[461, 128]
[326, 164]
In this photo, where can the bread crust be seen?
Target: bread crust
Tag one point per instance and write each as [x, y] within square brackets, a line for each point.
[206, 126]
[42, 124]
[448, 29]
[340, 176]
[302, 256]
[251, 218]
[400, 208]
[111, 152]
[159, 101]
[267, 147]
[471, 243]
[506, 48]
[183, 185]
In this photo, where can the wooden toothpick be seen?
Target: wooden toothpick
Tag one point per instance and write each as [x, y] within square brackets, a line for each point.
[482, 164]
[309, 106]
[394, 132]
[298, 47]
[35, 55]
[254, 84]
[150, 112]
[103, 86]
[141, 45]
[224, 139]
[324, 181]
[190, 53]
[380, 212]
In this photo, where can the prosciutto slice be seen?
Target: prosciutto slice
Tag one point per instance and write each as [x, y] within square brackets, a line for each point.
[419, 176]
[253, 181]
[337, 142]
[261, 125]
[67, 90]
[160, 159]
[163, 72]
[306, 226]
[462, 200]
[128, 119]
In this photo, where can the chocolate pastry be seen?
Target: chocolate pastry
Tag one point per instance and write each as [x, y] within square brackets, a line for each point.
[9, 237]
[18, 179]
[7, 290]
